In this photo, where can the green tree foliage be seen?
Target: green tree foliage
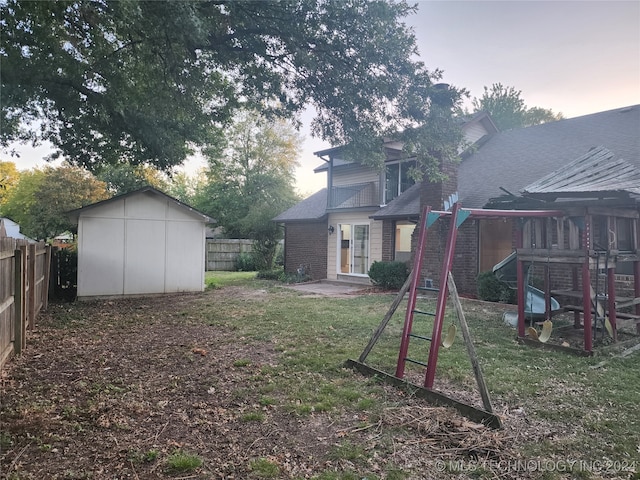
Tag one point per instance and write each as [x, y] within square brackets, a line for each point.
[188, 189]
[42, 198]
[22, 197]
[9, 177]
[147, 82]
[508, 110]
[125, 178]
[251, 180]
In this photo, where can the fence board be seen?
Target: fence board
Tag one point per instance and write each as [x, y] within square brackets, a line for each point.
[7, 309]
[223, 252]
[24, 276]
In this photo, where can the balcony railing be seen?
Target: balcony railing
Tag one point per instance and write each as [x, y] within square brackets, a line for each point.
[393, 191]
[355, 195]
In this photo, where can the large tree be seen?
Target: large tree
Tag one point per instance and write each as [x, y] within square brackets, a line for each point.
[148, 82]
[250, 180]
[508, 110]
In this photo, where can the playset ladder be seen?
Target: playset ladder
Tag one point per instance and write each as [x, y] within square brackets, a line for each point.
[427, 219]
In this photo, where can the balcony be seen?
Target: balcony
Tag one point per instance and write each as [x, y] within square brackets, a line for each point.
[394, 189]
[355, 195]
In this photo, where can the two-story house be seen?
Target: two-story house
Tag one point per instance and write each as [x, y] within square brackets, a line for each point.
[364, 215]
[340, 231]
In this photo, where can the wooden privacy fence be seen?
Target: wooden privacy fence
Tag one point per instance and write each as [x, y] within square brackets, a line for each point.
[223, 252]
[24, 286]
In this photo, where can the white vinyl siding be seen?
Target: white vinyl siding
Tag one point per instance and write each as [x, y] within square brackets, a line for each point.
[353, 175]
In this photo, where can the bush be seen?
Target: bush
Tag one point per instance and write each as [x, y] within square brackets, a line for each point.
[246, 262]
[274, 274]
[491, 289]
[389, 275]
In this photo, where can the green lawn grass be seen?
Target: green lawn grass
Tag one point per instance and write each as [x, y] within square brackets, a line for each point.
[224, 279]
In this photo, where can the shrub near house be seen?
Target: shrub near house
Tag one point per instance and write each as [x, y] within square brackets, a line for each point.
[389, 275]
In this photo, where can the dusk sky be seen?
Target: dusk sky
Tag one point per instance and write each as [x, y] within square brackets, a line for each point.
[575, 57]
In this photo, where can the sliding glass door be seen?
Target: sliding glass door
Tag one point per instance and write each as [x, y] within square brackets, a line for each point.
[354, 249]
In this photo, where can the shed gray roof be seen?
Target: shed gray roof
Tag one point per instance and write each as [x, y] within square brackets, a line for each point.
[311, 208]
[516, 158]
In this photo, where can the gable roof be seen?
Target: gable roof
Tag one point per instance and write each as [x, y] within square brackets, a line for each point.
[309, 209]
[516, 158]
[74, 214]
[599, 172]
[9, 228]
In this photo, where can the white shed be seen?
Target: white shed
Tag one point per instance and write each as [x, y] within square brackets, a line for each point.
[142, 242]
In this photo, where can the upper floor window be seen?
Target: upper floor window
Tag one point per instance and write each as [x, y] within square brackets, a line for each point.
[397, 179]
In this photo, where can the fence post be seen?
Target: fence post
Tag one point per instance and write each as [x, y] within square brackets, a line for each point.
[31, 269]
[18, 298]
[46, 271]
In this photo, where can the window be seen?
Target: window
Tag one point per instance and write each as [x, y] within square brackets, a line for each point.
[397, 179]
[354, 249]
[402, 247]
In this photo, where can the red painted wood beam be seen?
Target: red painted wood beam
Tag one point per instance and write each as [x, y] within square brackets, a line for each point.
[442, 298]
[611, 299]
[411, 304]
[586, 286]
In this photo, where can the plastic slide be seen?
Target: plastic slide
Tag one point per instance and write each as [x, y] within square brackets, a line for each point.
[534, 308]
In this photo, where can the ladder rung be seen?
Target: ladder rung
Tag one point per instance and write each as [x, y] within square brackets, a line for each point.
[416, 362]
[420, 337]
[428, 289]
[424, 313]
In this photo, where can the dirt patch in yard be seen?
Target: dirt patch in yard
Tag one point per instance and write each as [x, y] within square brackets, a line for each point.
[114, 388]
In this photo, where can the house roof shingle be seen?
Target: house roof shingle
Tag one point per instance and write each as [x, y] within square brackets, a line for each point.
[516, 158]
[403, 206]
[311, 208]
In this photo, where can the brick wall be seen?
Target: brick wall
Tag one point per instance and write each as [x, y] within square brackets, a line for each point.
[435, 193]
[388, 240]
[465, 264]
[306, 244]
